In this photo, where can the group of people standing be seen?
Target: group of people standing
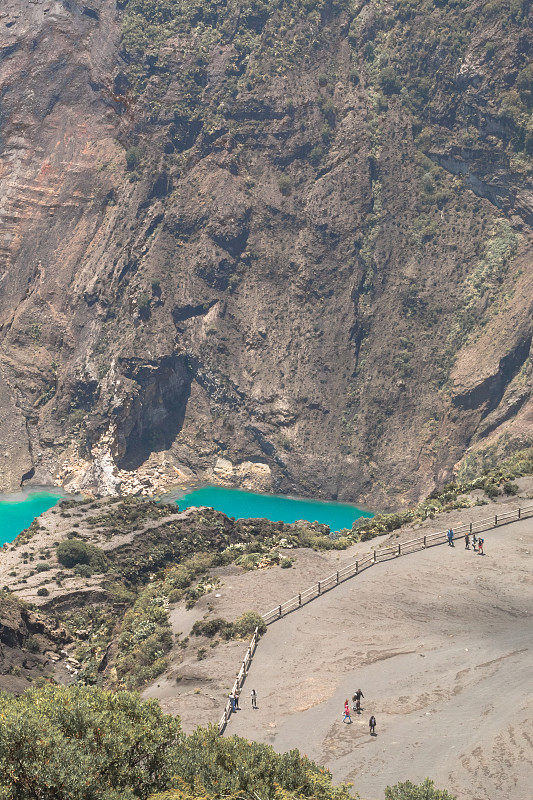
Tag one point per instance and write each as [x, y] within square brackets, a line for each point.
[234, 699]
[356, 700]
[477, 542]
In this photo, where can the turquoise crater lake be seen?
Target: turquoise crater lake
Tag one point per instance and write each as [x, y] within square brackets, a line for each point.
[245, 505]
[17, 512]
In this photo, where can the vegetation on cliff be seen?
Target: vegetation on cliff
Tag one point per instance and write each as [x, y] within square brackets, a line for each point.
[493, 481]
[433, 55]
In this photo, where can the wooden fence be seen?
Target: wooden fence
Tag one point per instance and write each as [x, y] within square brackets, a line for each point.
[375, 557]
[239, 680]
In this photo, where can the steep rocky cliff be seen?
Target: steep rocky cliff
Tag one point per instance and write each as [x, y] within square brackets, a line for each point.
[276, 245]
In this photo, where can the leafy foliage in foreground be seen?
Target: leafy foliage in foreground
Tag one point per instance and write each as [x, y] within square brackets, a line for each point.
[223, 766]
[81, 743]
[408, 791]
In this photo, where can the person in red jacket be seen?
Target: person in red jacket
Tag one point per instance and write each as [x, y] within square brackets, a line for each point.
[346, 712]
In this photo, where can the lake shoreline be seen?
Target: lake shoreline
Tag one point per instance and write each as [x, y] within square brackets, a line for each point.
[240, 504]
[16, 513]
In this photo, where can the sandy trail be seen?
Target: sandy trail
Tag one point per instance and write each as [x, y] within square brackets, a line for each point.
[440, 643]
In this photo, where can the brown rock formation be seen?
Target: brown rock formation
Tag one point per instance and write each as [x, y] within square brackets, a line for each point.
[274, 284]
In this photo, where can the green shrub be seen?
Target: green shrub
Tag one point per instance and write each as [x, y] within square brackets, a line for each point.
[144, 302]
[246, 624]
[72, 552]
[315, 155]
[43, 592]
[133, 158]
[145, 640]
[408, 791]
[285, 563]
[284, 184]
[43, 567]
[211, 627]
[249, 560]
[32, 644]
[225, 766]
[510, 488]
[83, 570]
[80, 743]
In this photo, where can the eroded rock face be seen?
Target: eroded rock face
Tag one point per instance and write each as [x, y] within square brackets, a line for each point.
[29, 646]
[261, 290]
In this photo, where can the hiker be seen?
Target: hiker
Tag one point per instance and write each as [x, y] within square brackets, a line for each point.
[372, 725]
[232, 701]
[357, 700]
[450, 538]
[480, 543]
[467, 542]
[253, 695]
[237, 693]
[474, 542]
[346, 712]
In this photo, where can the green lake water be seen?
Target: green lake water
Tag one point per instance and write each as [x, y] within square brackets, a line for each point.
[240, 505]
[17, 512]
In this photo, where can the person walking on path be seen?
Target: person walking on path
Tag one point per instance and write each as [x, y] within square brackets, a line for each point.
[474, 542]
[232, 701]
[357, 700]
[467, 542]
[346, 712]
[480, 543]
[372, 725]
[253, 695]
[450, 538]
[237, 693]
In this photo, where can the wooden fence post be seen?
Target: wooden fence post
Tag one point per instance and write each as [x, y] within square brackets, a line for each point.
[470, 527]
[424, 541]
[318, 587]
[399, 549]
[300, 599]
[519, 512]
[356, 567]
[337, 577]
[495, 519]
[279, 611]
[375, 557]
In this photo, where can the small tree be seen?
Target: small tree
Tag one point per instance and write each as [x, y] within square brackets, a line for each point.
[133, 158]
[285, 184]
[425, 791]
[246, 624]
[73, 552]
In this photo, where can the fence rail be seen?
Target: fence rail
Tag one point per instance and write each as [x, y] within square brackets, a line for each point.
[375, 557]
